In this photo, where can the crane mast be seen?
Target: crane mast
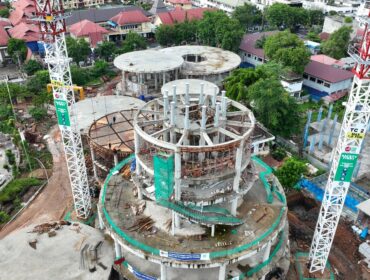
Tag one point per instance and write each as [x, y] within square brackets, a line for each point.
[351, 137]
[51, 20]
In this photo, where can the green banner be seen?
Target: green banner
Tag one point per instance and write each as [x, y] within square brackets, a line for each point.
[61, 107]
[346, 166]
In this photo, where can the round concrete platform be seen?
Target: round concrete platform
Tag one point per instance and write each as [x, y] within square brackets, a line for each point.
[148, 61]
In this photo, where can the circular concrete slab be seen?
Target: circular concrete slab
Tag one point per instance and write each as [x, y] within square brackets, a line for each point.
[148, 61]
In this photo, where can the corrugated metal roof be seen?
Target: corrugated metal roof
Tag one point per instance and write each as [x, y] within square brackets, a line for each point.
[249, 41]
[327, 72]
[128, 17]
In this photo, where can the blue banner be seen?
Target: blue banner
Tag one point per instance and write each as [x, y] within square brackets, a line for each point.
[184, 256]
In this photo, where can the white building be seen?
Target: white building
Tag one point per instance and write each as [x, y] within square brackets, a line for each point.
[321, 80]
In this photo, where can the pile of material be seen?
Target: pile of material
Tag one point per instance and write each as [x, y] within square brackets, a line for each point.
[144, 224]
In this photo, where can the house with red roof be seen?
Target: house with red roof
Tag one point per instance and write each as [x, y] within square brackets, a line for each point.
[249, 52]
[179, 15]
[23, 11]
[321, 80]
[4, 38]
[184, 4]
[27, 32]
[126, 21]
[90, 31]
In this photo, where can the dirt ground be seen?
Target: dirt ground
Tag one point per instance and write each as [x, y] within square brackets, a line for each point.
[53, 202]
[344, 256]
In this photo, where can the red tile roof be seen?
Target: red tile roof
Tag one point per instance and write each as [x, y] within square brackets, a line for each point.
[249, 41]
[128, 17]
[28, 6]
[17, 16]
[4, 37]
[5, 22]
[327, 72]
[184, 2]
[322, 58]
[179, 15]
[26, 32]
[86, 28]
[324, 36]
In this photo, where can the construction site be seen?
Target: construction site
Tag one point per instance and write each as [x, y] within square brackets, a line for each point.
[159, 175]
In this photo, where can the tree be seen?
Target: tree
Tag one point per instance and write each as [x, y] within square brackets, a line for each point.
[133, 42]
[312, 36]
[17, 49]
[80, 76]
[37, 84]
[166, 35]
[337, 44]
[290, 172]
[284, 16]
[100, 68]
[78, 49]
[106, 50]
[248, 15]
[4, 13]
[274, 107]
[288, 50]
[315, 17]
[31, 67]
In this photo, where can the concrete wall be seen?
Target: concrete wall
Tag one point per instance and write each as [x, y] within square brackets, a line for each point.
[332, 24]
[250, 58]
[292, 87]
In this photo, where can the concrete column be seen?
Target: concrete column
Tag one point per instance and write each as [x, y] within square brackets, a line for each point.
[163, 272]
[332, 130]
[238, 166]
[266, 252]
[115, 156]
[214, 98]
[176, 74]
[186, 119]
[213, 231]
[217, 123]
[164, 77]
[101, 224]
[222, 272]
[234, 206]
[93, 162]
[123, 84]
[177, 176]
[320, 114]
[156, 81]
[187, 93]
[172, 122]
[165, 105]
[202, 130]
[306, 130]
[174, 96]
[201, 96]
[117, 249]
[137, 151]
[312, 144]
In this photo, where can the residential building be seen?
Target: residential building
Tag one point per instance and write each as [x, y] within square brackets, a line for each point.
[322, 58]
[4, 37]
[227, 6]
[321, 80]
[250, 54]
[158, 7]
[90, 31]
[27, 32]
[126, 21]
[312, 46]
[78, 4]
[179, 15]
[292, 83]
[184, 4]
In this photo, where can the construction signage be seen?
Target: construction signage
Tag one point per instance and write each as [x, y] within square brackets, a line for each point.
[61, 107]
[357, 132]
[346, 166]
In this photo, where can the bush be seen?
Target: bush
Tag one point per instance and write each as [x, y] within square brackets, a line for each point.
[4, 217]
[10, 156]
[290, 172]
[278, 154]
[348, 20]
[4, 13]
[16, 188]
[31, 67]
[38, 113]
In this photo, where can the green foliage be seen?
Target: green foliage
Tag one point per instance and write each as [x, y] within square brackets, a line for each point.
[37, 84]
[133, 42]
[312, 36]
[31, 67]
[177, 34]
[290, 172]
[16, 188]
[218, 30]
[106, 50]
[348, 20]
[100, 68]
[10, 157]
[314, 17]
[288, 50]
[4, 13]
[260, 42]
[278, 154]
[274, 107]
[332, 13]
[78, 49]
[248, 15]
[38, 113]
[17, 49]
[80, 76]
[337, 44]
[42, 98]
[4, 217]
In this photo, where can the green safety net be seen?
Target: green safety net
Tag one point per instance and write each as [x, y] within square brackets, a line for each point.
[263, 175]
[154, 251]
[163, 176]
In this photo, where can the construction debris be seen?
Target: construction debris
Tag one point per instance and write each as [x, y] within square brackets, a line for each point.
[52, 233]
[138, 208]
[33, 243]
[47, 227]
[142, 224]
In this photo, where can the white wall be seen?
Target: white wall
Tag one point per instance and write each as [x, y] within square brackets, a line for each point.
[254, 60]
[292, 87]
[343, 85]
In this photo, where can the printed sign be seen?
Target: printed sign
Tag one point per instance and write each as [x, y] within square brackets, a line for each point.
[346, 166]
[61, 107]
[357, 132]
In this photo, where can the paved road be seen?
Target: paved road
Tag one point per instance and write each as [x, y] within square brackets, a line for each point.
[53, 202]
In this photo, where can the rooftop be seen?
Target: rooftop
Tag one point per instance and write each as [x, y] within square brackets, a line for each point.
[248, 42]
[129, 17]
[4, 37]
[327, 72]
[148, 61]
[26, 32]
[179, 15]
[322, 58]
[86, 28]
[211, 60]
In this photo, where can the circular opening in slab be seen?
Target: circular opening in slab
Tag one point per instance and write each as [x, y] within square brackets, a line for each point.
[194, 58]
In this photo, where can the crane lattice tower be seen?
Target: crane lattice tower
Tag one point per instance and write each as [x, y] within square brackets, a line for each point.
[51, 20]
[346, 154]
